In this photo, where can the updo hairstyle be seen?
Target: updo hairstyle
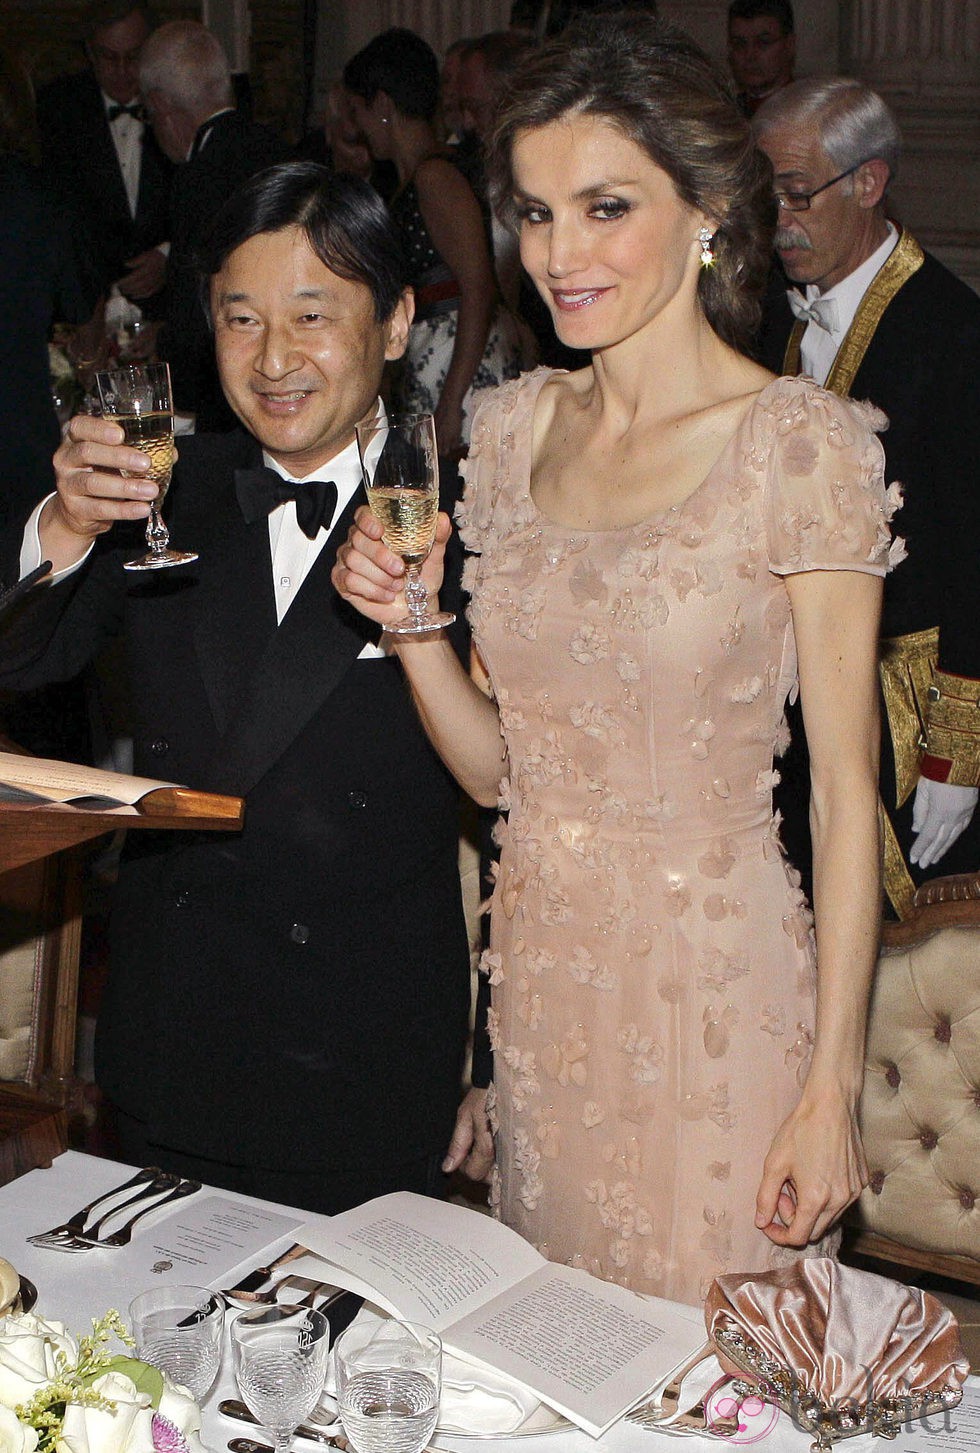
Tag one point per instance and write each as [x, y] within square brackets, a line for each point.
[650, 79]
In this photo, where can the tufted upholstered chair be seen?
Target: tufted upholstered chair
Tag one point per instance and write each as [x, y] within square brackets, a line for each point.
[920, 1108]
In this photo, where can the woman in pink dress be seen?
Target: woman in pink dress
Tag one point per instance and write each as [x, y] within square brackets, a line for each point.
[665, 545]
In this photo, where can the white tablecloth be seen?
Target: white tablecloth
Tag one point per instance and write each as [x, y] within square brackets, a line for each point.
[75, 1288]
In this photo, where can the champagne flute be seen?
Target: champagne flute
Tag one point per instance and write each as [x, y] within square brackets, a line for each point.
[281, 1365]
[401, 476]
[138, 397]
[388, 1385]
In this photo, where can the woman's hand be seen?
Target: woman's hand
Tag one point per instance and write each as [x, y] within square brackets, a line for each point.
[814, 1170]
[371, 577]
[471, 1148]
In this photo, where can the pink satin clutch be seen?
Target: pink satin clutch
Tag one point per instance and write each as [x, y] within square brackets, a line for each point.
[840, 1350]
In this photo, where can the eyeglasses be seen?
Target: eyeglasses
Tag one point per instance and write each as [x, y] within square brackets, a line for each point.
[800, 201]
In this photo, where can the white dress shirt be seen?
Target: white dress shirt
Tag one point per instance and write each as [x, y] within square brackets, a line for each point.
[293, 553]
[127, 138]
[818, 346]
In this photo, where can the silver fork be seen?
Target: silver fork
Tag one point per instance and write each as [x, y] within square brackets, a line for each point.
[82, 1240]
[76, 1222]
[123, 1236]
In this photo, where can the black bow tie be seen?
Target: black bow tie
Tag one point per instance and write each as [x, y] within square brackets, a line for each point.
[134, 109]
[260, 491]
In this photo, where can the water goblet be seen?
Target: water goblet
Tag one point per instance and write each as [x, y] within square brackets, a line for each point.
[281, 1365]
[138, 397]
[179, 1329]
[389, 1378]
[401, 477]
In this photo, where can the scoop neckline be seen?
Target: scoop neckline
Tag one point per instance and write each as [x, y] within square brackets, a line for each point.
[677, 508]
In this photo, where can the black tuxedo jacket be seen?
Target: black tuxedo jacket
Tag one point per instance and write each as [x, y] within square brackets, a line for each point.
[922, 368]
[235, 150]
[297, 992]
[80, 157]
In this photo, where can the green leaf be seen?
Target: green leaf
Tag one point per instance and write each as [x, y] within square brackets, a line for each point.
[144, 1376]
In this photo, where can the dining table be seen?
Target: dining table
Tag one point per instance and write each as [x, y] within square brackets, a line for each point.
[215, 1237]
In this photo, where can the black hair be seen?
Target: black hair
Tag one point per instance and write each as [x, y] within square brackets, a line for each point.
[780, 10]
[401, 64]
[345, 221]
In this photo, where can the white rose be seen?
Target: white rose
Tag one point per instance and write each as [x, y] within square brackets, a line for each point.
[129, 1429]
[101, 1430]
[15, 1436]
[28, 1356]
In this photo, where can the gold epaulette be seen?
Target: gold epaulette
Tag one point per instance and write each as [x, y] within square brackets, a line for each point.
[952, 734]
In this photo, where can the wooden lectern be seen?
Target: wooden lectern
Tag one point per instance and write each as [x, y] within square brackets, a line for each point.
[40, 905]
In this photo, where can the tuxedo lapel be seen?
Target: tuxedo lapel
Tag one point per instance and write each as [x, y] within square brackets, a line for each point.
[236, 618]
[104, 163]
[295, 670]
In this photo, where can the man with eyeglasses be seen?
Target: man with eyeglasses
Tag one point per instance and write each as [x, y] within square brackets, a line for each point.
[103, 157]
[872, 316]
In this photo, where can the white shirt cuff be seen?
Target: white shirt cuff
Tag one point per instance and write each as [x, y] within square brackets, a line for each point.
[30, 550]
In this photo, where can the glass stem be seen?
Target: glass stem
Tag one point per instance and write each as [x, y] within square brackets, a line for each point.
[157, 534]
[416, 594]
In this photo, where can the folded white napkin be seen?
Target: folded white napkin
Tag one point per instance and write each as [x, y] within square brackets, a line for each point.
[475, 1398]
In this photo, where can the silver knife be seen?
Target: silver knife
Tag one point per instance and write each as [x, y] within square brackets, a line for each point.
[249, 1445]
[232, 1409]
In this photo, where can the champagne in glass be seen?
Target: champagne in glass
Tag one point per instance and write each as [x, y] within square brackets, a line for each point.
[137, 397]
[401, 477]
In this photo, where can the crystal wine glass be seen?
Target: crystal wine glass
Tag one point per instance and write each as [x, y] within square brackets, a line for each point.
[389, 1378]
[179, 1329]
[281, 1365]
[401, 476]
[138, 397]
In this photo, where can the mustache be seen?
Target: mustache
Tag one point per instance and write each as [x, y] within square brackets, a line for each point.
[786, 238]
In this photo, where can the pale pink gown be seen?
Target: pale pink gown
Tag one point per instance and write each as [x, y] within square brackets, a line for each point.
[651, 956]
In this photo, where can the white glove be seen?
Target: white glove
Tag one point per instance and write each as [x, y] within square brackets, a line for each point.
[941, 812]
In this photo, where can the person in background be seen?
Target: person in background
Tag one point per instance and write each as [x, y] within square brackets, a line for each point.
[450, 119]
[251, 1034]
[462, 341]
[761, 49]
[667, 542]
[872, 316]
[43, 279]
[185, 81]
[102, 158]
[485, 65]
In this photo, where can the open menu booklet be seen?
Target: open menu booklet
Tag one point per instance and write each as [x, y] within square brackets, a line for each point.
[586, 1347]
[41, 782]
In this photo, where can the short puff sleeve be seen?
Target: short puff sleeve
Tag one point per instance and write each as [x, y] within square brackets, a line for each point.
[826, 504]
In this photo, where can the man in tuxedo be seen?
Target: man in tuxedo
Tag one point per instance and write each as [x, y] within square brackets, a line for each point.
[874, 317]
[186, 83]
[103, 158]
[761, 49]
[286, 1008]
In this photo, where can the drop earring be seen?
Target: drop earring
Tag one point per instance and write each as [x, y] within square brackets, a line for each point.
[706, 237]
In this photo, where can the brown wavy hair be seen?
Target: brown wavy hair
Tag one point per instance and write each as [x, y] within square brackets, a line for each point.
[650, 79]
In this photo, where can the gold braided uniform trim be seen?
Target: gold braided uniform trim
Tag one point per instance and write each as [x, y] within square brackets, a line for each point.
[953, 726]
[906, 665]
[898, 880]
[905, 259]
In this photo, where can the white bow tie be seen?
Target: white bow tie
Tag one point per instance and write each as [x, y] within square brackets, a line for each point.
[822, 311]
